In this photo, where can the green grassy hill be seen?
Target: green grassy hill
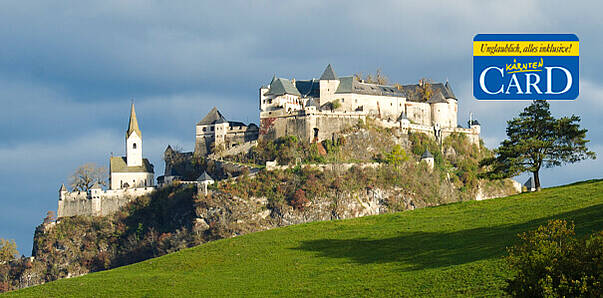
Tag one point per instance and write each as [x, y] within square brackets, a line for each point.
[449, 250]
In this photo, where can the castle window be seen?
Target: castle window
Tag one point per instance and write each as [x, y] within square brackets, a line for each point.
[212, 128]
[134, 146]
[204, 128]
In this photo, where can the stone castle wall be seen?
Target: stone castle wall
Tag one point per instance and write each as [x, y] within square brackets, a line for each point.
[308, 125]
[97, 202]
[325, 125]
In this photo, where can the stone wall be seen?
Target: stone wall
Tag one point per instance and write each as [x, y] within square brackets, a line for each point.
[308, 125]
[97, 202]
[228, 138]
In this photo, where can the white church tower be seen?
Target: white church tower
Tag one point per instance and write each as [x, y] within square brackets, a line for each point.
[131, 171]
[133, 141]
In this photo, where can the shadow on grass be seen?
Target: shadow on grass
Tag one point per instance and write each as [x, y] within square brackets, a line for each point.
[423, 250]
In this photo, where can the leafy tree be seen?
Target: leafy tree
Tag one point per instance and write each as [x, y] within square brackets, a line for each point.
[397, 156]
[8, 250]
[87, 175]
[537, 139]
[551, 262]
[333, 105]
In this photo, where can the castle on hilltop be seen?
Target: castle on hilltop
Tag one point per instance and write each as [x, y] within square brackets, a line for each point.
[130, 176]
[313, 110]
[318, 109]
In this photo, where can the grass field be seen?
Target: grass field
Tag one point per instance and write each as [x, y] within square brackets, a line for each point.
[449, 250]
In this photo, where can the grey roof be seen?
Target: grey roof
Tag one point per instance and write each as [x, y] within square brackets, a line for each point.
[119, 164]
[205, 177]
[328, 74]
[63, 188]
[213, 117]
[309, 88]
[437, 97]
[282, 86]
[352, 85]
[236, 123]
[448, 91]
[444, 89]
[473, 122]
[426, 154]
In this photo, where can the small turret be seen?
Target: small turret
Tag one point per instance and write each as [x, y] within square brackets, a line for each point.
[62, 192]
[427, 157]
[205, 180]
[474, 124]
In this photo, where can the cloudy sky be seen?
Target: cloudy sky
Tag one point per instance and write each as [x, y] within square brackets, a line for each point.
[69, 71]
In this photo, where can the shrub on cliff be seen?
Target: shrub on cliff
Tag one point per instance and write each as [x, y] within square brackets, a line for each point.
[551, 262]
[8, 250]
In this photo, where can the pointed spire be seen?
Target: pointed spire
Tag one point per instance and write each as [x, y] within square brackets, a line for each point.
[328, 74]
[133, 125]
[63, 188]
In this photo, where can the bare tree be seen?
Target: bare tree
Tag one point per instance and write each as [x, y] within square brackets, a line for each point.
[423, 91]
[50, 217]
[377, 78]
[86, 176]
[380, 78]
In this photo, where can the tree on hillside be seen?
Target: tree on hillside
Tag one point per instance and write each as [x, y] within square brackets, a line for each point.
[397, 156]
[537, 139]
[86, 176]
[8, 250]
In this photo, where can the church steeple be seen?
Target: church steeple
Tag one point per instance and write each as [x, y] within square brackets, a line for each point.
[133, 125]
[133, 141]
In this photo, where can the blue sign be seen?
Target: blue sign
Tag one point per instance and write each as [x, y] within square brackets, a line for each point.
[525, 66]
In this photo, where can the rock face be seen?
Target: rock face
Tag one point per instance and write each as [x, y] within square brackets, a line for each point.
[228, 216]
[365, 144]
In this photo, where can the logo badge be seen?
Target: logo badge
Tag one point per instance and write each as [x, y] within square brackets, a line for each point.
[525, 66]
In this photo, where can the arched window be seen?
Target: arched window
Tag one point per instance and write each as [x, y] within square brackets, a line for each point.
[134, 146]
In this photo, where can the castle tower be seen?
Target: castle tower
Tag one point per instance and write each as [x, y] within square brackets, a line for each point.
[328, 85]
[427, 157]
[133, 141]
